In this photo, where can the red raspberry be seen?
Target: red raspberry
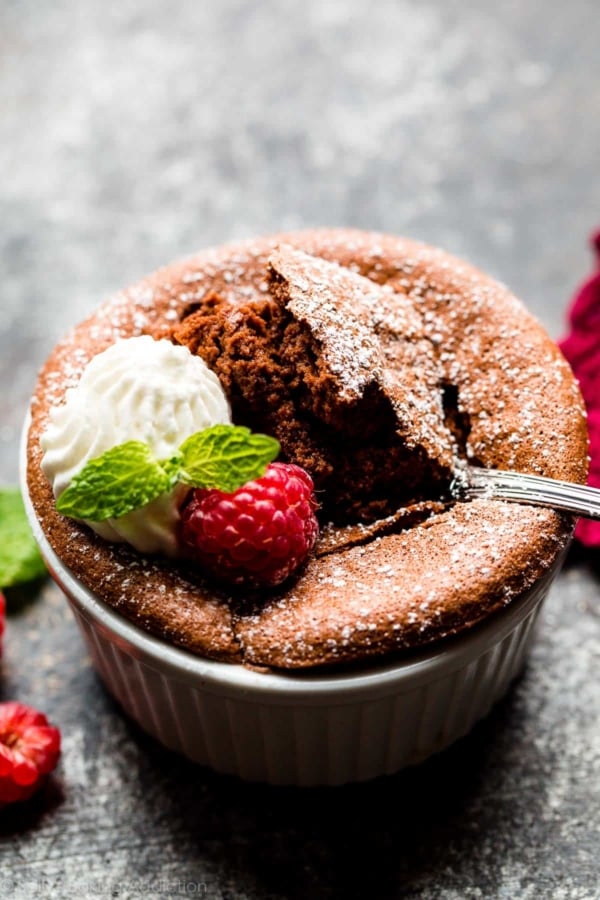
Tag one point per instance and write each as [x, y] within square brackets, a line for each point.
[29, 750]
[2, 612]
[258, 534]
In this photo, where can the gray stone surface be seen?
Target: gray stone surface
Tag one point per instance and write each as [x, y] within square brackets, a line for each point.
[134, 133]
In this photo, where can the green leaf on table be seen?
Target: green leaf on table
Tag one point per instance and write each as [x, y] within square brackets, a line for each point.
[20, 559]
[122, 479]
[225, 457]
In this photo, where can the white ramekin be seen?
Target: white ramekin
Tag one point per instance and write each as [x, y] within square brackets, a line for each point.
[302, 729]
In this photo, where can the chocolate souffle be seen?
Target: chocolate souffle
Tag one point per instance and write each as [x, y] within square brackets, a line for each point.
[379, 364]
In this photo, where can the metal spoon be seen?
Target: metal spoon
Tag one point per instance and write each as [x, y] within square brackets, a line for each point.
[472, 482]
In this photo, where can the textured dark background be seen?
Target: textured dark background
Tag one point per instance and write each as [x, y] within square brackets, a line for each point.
[132, 133]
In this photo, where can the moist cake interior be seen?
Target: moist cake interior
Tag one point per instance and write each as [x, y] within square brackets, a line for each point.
[358, 405]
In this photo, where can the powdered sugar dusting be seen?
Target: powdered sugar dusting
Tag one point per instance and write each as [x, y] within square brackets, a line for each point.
[391, 590]
[329, 298]
[363, 598]
[370, 335]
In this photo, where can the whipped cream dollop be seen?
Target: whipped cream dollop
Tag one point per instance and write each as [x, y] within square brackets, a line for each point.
[138, 389]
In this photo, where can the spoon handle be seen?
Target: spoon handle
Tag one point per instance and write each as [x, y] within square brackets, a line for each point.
[474, 482]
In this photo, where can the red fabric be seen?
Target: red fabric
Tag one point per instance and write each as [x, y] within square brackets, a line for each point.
[582, 349]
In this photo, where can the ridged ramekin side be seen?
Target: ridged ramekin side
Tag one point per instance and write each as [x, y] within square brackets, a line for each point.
[338, 740]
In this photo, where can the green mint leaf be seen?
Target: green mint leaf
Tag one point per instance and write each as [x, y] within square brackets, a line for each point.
[124, 478]
[20, 559]
[225, 457]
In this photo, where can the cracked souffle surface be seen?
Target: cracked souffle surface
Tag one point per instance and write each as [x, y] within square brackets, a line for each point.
[375, 361]
[342, 373]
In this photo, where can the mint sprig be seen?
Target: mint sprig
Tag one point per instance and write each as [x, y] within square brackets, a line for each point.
[129, 476]
[225, 457]
[20, 559]
[123, 478]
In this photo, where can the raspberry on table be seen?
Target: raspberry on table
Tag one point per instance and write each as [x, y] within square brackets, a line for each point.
[257, 535]
[29, 750]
